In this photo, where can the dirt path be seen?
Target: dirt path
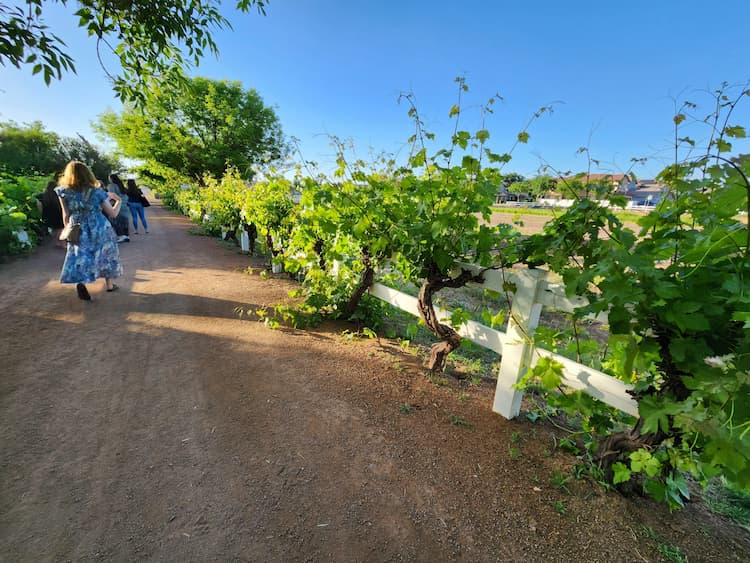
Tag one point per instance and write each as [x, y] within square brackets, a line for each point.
[153, 424]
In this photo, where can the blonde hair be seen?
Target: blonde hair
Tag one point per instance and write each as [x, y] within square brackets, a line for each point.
[77, 176]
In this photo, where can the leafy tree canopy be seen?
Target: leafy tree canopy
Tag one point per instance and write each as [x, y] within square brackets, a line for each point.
[199, 130]
[79, 148]
[535, 187]
[30, 150]
[152, 41]
[512, 178]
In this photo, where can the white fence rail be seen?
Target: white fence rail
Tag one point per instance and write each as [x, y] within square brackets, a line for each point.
[518, 354]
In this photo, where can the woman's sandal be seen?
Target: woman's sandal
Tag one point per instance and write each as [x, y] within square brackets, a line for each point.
[114, 287]
[83, 293]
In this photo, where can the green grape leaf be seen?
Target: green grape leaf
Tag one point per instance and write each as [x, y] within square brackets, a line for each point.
[653, 414]
[549, 372]
[621, 473]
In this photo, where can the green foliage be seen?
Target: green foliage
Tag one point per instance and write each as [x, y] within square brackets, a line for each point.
[153, 42]
[268, 204]
[548, 371]
[675, 289]
[458, 421]
[534, 187]
[31, 150]
[560, 507]
[343, 231]
[199, 130]
[28, 150]
[170, 186]
[729, 502]
[676, 292]
[20, 221]
[560, 481]
[672, 553]
[79, 148]
[27, 41]
[220, 200]
[414, 221]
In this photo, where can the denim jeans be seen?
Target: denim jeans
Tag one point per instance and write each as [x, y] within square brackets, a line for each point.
[136, 210]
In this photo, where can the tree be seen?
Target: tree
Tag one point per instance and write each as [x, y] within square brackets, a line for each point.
[31, 150]
[28, 150]
[154, 42]
[534, 187]
[199, 130]
[79, 148]
[511, 178]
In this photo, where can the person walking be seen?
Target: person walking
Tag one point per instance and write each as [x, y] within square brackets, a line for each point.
[136, 202]
[49, 207]
[95, 255]
[121, 223]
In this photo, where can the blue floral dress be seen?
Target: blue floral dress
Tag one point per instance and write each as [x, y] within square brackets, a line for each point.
[96, 255]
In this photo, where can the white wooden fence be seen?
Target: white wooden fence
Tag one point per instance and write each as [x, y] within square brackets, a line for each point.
[515, 346]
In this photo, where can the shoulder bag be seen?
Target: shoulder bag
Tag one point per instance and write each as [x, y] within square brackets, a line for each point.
[72, 231]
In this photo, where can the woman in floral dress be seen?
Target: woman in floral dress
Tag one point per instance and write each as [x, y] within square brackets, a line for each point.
[96, 255]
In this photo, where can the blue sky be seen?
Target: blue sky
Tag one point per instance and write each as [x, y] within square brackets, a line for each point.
[335, 67]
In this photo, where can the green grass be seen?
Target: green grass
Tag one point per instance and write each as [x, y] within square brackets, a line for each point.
[476, 361]
[728, 502]
[458, 421]
[631, 216]
[672, 553]
[560, 481]
[560, 507]
[669, 551]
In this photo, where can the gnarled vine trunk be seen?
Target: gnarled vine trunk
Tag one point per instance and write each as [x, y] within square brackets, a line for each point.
[617, 447]
[365, 282]
[318, 248]
[450, 339]
[269, 245]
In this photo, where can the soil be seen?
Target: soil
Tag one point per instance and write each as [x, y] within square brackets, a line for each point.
[156, 424]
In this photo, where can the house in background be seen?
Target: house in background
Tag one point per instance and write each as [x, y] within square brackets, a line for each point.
[646, 192]
[585, 185]
[639, 192]
[504, 196]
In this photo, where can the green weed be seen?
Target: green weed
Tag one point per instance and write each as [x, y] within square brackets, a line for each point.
[671, 553]
[458, 421]
[437, 380]
[728, 502]
[560, 507]
[560, 481]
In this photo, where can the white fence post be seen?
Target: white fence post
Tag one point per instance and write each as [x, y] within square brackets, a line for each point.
[245, 241]
[524, 318]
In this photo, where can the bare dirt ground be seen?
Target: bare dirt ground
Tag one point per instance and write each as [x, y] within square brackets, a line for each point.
[154, 424]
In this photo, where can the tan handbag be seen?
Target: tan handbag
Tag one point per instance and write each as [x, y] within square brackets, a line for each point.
[72, 231]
